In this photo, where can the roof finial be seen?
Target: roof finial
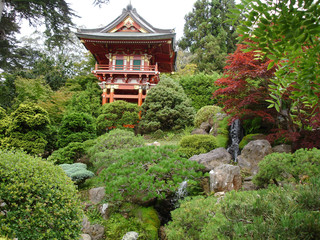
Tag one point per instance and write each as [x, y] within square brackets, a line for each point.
[129, 7]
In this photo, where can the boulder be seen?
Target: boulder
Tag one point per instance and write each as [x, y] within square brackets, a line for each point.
[213, 158]
[283, 148]
[131, 236]
[225, 178]
[154, 144]
[248, 186]
[205, 126]
[198, 131]
[85, 237]
[96, 195]
[95, 231]
[252, 154]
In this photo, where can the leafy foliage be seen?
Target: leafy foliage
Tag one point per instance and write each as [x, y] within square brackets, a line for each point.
[244, 86]
[109, 147]
[287, 33]
[297, 166]
[27, 130]
[146, 173]
[117, 114]
[77, 172]
[261, 214]
[166, 107]
[199, 88]
[76, 127]
[207, 34]
[205, 114]
[38, 198]
[197, 144]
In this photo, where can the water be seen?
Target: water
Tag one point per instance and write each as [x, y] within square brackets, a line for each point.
[235, 135]
[180, 194]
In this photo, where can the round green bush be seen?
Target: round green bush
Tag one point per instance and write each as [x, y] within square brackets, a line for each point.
[39, 200]
[166, 107]
[296, 167]
[77, 172]
[76, 127]
[69, 154]
[117, 114]
[205, 113]
[197, 144]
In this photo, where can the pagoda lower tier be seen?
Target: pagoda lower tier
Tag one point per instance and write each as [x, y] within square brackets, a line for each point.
[128, 83]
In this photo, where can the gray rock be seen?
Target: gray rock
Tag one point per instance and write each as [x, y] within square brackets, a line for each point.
[213, 158]
[95, 231]
[283, 148]
[199, 131]
[252, 154]
[131, 236]
[248, 186]
[225, 178]
[85, 237]
[205, 126]
[154, 144]
[104, 210]
[96, 195]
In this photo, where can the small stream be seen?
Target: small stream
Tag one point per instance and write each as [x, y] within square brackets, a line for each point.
[235, 136]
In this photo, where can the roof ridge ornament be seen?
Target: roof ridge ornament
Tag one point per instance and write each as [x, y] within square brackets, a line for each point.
[129, 7]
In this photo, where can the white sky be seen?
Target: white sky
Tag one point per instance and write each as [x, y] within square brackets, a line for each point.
[167, 14]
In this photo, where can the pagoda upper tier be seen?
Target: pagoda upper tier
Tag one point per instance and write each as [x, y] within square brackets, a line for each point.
[131, 35]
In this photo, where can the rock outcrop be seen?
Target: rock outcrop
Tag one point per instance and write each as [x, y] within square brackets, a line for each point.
[225, 178]
[95, 231]
[282, 148]
[213, 158]
[131, 236]
[96, 195]
[252, 154]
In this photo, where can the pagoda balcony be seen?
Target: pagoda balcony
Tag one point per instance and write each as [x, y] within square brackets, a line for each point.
[126, 69]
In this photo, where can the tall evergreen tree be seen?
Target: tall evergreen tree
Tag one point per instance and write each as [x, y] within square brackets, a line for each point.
[207, 34]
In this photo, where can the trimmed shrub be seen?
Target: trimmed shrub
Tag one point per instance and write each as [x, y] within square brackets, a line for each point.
[298, 166]
[262, 214]
[109, 147]
[146, 173]
[117, 115]
[73, 152]
[77, 172]
[197, 144]
[199, 88]
[205, 113]
[166, 107]
[40, 200]
[76, 127]
[27, 129]
[4, 123]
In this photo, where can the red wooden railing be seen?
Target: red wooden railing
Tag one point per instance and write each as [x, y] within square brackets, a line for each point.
[107, 67]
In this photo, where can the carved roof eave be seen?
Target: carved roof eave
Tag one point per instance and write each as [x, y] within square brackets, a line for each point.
[127, 36]
[125, 13]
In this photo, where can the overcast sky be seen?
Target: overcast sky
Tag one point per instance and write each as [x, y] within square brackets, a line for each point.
[167, 14]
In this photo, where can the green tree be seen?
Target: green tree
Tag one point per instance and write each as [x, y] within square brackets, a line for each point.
[199, 88]
[207, 34]
[76, 127]
[55, 14]
[288, 33]
[166, 107]
[28, 129]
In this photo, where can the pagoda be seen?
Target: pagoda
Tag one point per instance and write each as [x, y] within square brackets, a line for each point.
[130, 54]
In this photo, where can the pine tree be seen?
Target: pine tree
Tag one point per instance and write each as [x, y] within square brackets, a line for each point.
[207, 35]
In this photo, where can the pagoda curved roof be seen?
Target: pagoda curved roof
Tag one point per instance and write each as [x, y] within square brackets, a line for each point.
[132, 13]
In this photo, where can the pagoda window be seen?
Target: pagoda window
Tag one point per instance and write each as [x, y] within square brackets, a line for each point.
[136, 64]
[119, 64]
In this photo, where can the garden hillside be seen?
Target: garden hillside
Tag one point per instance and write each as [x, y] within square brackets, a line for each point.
[227, 147]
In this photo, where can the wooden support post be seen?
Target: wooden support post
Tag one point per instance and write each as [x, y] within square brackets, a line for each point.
[140, 97]
[104, 96]
[111, 94]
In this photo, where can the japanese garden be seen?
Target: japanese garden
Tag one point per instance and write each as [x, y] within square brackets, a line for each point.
[125, 132]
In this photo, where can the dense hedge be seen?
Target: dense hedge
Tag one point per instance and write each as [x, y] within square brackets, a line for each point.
[40, 201]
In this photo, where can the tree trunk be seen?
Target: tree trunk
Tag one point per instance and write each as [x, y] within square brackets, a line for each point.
[1, 8]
